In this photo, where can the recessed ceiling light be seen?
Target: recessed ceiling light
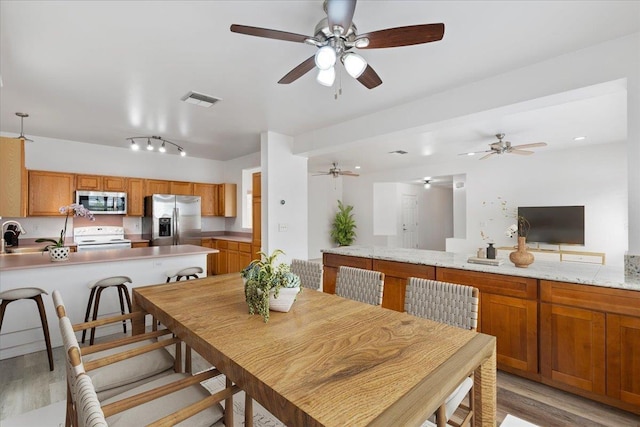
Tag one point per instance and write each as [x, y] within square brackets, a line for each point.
[357, 167]
[579, 138]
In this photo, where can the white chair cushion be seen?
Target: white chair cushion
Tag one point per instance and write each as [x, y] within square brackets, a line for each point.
[128, 371]
[158, 408]
[21, 293]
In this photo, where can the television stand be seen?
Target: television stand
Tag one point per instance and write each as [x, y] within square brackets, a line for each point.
[559, 254]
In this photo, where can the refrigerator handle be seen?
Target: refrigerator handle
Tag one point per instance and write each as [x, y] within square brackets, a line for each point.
[176, 215]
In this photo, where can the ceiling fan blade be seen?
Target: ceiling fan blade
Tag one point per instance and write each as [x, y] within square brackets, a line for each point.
[340, 12]
[473, 153]
[404, 36]
[535, 144]
[521, 152]
[369, 78]
[488, 155]
[298, 71]
[267, 33]
[348, 173]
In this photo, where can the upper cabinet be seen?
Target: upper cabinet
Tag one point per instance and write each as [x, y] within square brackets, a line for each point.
[101, 183]
[227, 200]
[135, 197]
[156, 186]
[208, 196]
[13, 178]
[48, 191]
[181, 188]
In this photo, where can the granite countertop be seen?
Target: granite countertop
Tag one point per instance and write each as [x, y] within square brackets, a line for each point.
[41, 260]
[572, 272]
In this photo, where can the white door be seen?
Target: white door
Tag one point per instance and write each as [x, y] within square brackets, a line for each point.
[409, 221]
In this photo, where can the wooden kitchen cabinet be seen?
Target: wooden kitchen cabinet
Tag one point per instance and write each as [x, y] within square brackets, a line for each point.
[135, 196]
[244, 255]
[212, 259]
[573, 346]
[100, 183]
[222, 264]
[13, 178]
[139, 245]
[114, 183]
[208, 197]
[181, 188]
[508, 311]
[590, 341]
[156, 186]
[396, 275]
[233, 256]
[48, 191]
[331, 263]
[256, 215]
[227, 200]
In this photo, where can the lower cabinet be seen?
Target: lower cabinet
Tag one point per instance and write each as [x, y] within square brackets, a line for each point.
[233, 256]
[396, 275]
[590, 341]
[139, 245]
[331, 263]
[508, 311]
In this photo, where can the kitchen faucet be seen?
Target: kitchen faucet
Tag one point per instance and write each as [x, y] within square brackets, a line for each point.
[2, 242]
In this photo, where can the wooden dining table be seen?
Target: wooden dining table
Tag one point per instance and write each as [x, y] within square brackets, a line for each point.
[329, 361]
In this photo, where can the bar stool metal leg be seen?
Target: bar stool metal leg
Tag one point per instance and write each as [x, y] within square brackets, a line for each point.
[45, 328]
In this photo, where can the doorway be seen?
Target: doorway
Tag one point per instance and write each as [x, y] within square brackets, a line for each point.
[409, 221]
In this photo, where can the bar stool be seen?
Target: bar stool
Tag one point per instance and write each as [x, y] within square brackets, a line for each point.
[96, 291]
[36, 295]
[187, 273]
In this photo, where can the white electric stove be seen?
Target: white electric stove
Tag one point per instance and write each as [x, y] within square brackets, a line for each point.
[100, 238]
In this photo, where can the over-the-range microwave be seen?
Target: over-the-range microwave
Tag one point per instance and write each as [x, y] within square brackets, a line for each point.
[103, 202]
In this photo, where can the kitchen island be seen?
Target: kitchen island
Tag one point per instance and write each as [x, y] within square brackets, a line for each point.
[21, 331]
[573, 326]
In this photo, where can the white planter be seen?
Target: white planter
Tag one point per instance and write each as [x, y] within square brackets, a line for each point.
[59, 253]
[285, 299]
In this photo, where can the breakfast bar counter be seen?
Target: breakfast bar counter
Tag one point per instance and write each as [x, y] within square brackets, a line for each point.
[21, 331]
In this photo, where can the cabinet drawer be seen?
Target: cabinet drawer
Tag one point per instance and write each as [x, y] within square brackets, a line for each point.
[403, 270]
[244, 247]
[233, 246]
[333, 260]
[222, 244]
[610, 300]
[499, 284]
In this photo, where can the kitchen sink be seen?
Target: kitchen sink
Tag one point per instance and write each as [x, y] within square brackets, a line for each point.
[17, 251]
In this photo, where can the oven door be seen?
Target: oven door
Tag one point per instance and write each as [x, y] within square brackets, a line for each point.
[102, 246]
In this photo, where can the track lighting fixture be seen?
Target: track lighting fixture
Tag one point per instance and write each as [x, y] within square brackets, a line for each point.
[150, 147]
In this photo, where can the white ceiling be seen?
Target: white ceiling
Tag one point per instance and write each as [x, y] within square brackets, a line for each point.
[100, 72]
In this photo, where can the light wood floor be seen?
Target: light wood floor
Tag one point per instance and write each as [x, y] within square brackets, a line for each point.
[27, 384]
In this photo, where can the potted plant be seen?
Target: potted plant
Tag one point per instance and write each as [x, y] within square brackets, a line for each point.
[343, 228]
[268, 285]
[57, 250]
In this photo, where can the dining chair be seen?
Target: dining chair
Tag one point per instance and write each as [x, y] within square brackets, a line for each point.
[455, 305]
[166, 401]
[360, 285]
[310, 273]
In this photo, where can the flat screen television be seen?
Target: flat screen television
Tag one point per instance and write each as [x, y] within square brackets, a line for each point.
[560, 225]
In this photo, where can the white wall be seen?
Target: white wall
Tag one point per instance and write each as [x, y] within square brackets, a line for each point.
[233, 174]
[284, 179]
[600, 63]
[324, 191]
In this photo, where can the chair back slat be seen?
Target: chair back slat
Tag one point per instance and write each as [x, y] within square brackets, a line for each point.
[360, 285]
[453, 304]
[310, 273]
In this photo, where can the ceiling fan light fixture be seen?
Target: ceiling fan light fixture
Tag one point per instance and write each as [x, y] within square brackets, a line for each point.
[361, 43]
[354, 64]
[326, 77]
[325, 57]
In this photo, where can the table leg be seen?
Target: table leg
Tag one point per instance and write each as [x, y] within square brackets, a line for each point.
[485, 392]
[137, 324]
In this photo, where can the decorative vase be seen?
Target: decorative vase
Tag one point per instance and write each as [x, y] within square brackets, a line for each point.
[285, 299]
[521, 257]
[491, 252]
[59, 253]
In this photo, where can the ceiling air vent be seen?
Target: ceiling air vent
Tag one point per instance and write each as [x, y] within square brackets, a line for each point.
[200, 99]
[398, 152]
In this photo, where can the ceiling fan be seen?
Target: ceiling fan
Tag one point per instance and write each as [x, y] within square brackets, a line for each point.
[336, 35]
[501, 147]
[335, 171]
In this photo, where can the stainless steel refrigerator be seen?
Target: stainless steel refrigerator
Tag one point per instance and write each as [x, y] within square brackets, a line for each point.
[172, 220]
